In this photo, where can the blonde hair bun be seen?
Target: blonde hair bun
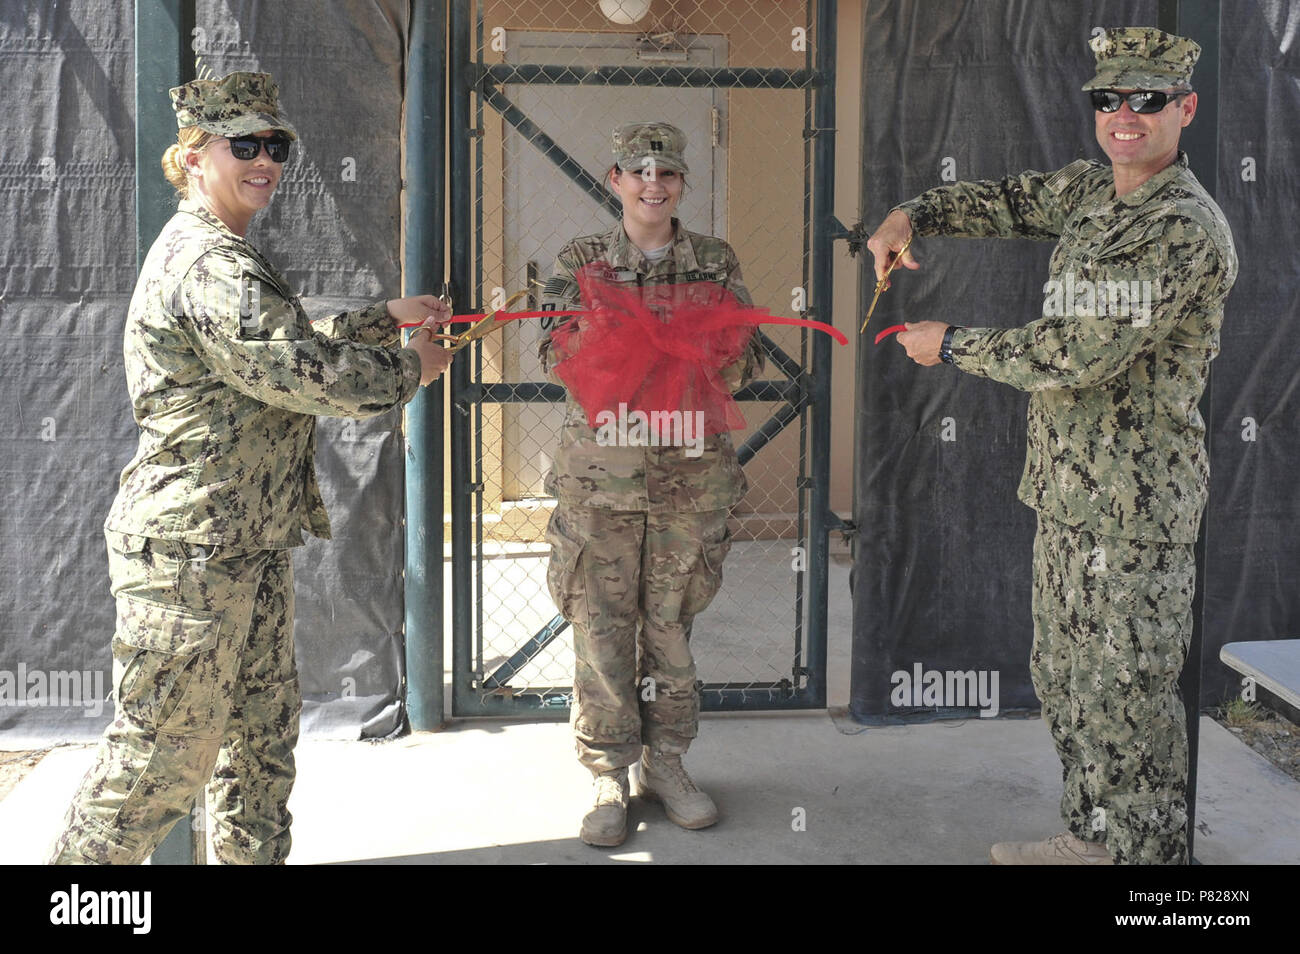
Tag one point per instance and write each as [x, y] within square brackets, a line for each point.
[173, 160]
[173, 167]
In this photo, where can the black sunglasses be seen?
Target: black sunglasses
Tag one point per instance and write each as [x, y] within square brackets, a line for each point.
[1141, 101]
[247, 147]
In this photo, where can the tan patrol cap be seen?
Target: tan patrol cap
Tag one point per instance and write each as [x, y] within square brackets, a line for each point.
[640, 145]
[235, 105]
[1142, 58]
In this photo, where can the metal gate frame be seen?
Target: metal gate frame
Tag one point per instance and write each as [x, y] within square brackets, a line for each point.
[805, 393]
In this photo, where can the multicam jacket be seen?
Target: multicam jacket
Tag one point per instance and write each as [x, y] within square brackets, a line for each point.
[657, 479]
[1119, 358]
[226, 375]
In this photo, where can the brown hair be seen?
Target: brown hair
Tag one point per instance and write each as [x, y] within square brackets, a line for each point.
[173, 160]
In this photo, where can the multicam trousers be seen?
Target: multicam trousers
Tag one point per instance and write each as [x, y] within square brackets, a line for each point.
[631, 583]
[205, 689]
[1112, 622]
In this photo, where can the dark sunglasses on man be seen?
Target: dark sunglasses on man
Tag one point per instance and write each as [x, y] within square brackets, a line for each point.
[247, 147]
[1140, 101]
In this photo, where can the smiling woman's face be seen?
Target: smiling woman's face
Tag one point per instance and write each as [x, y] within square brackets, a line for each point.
[233, 189]
[650, 199]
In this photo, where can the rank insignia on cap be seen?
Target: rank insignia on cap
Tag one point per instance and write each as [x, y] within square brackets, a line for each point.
[1142, 58]
[636, 142]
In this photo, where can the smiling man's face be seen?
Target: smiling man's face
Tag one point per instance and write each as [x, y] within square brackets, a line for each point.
[1141, 144]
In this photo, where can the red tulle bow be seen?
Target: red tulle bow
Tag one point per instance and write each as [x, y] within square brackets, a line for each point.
[658, 350]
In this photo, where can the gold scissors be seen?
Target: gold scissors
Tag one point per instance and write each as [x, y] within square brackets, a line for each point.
[884, 282]
[480, 329]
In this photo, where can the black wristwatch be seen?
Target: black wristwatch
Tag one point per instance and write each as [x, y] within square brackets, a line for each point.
[945, 349]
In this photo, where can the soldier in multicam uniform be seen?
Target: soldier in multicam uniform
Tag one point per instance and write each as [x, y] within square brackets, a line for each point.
[226, 376]
[639, 533]
[1117, 468]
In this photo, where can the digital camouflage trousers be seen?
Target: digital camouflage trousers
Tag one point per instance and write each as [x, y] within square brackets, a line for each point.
[1112, 622]
[206, 693]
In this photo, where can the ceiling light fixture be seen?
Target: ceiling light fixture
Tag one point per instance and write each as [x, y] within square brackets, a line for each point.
[624, 11]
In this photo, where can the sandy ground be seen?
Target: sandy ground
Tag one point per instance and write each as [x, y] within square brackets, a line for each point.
[14, 766]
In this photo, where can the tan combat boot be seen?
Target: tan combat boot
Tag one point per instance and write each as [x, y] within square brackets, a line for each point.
[1062, 849]
[663, 778]
[606, 823]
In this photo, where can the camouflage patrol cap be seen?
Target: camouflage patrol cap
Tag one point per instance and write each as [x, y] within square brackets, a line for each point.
[636, 143]
[1142, 58]
[235, 105]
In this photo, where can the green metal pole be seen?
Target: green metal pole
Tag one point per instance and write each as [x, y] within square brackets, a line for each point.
[426, 119]
[460, 83]
[819, 509]
[163, 59]
[1200, 21]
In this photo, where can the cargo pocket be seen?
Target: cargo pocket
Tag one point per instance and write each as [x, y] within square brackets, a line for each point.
[706, 577]
[1154, 609]
[564, 574]
[165, 667]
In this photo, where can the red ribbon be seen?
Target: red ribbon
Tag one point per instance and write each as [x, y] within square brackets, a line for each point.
[658, 350]
[760, 317]
[892, 329]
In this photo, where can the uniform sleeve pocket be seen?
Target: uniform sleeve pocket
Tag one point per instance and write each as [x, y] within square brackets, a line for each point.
[165, 666]
[266, 314]
[127, 544]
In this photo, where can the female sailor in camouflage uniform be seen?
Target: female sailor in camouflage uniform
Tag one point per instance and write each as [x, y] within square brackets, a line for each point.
[639, 533]
[226, 377]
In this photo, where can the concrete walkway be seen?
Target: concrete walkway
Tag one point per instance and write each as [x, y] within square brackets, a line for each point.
[483, 791]
[490, 792]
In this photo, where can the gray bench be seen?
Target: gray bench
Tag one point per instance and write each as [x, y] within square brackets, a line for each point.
[1272, 663]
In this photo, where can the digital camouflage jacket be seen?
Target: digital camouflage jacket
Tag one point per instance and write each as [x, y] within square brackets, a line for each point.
[1117, 362]
[226, 377]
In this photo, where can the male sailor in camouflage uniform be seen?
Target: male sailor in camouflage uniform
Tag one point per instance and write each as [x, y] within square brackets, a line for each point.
[1117, 468]
[639, 533]
[226, 376]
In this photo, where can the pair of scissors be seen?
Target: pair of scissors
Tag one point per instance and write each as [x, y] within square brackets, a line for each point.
[479, 329]
[884, 282]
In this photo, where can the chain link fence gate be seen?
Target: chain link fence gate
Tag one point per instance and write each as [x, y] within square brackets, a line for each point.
[536, 88]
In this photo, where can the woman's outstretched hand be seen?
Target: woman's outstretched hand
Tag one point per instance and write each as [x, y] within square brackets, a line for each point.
[418, 308]
[434, 358]
[432, 313]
